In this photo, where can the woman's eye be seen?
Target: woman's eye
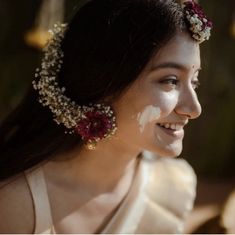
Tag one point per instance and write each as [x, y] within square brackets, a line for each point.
[173, 82]
[195, 84]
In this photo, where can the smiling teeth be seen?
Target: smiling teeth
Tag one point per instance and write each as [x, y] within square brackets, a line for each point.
[171, 126]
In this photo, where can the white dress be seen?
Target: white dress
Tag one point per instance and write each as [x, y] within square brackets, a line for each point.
[159, 200]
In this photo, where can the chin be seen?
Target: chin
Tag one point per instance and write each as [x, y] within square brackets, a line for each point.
[169, 151]
[173, 154]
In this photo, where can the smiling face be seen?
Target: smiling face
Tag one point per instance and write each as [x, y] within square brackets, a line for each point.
[152, 114]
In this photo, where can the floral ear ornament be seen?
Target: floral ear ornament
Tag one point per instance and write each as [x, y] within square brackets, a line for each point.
[199, 25]
[92, 122]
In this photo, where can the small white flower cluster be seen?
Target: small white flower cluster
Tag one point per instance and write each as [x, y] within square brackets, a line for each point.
[50, 93]
[65, 111]
[198, 27]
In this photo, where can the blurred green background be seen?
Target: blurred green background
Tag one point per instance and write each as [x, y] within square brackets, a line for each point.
[209, 141]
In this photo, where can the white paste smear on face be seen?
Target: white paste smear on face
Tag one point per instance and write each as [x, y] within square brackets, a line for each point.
[149, 114]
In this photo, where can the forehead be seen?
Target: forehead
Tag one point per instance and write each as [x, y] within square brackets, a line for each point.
[182, 50]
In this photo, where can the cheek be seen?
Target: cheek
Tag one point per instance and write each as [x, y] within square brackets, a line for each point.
[166, 101]
[149, 114]
[157, 104]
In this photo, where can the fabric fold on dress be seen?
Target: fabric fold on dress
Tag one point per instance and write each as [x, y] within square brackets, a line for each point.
[159, 200]
[42, 209]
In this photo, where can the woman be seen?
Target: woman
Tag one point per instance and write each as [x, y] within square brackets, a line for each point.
[119, 86]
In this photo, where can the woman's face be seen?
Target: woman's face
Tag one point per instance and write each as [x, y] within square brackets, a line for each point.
[152, 114]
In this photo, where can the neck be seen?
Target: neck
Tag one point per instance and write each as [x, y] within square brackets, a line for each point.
[103, 170]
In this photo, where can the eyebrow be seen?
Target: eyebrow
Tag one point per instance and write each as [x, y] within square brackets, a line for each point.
[171, 65]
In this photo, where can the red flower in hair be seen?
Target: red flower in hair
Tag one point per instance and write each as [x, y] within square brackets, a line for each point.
[95, 125]
[199, 24]
[193, 8]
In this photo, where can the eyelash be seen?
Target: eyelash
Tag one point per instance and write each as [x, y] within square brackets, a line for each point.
[174, 82]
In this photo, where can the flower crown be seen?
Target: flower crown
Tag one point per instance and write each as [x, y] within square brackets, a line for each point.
[199, 25]
[93, 122]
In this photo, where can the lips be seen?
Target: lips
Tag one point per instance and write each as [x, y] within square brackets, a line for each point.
[172, 126]
[173, 130]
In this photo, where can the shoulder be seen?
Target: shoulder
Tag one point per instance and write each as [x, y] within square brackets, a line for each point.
[171, 169]
[16, 206]
[172, 183]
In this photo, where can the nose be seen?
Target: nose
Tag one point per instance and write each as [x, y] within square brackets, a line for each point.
[188, 104]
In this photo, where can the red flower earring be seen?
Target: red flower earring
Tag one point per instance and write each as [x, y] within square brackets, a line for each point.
[98, 122]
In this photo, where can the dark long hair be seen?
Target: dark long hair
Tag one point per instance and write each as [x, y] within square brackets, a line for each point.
[107, 45]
